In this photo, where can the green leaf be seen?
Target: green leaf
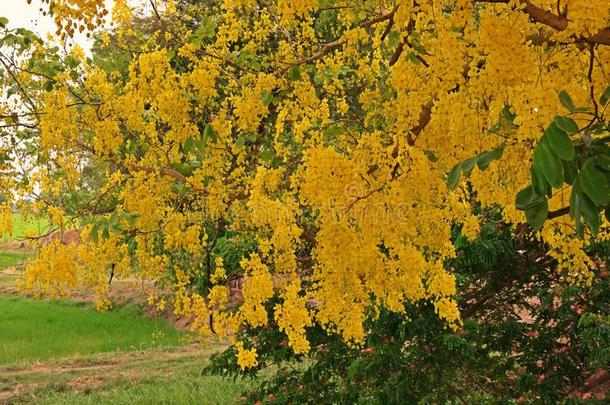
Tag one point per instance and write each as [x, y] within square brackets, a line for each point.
[431, 156]
[575, 207]
[575, 201]
[560, 142]
[602, 161]
[486, 158]
[453, 178]
[241, 141]
[294, 73]
[570, 171]
[537, 214]
[188, 145]
[605, 97]
[527, 199]
[183, 168]
[106, 231]
[207, 29]
[549, 165]
[3, 22]
[469, 164]
[267, 98]
[393, 38]
[566, 100]
[591, 214]
[209, 133]
[567, 124]
[539, 183]
[267, 155]
[94, 233]
[594, 184]
[132, 218]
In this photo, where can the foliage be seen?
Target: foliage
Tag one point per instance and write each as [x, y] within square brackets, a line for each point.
[326, 151]
[527, 337]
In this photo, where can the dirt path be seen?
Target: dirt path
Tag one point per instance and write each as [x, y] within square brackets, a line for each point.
[82, 374]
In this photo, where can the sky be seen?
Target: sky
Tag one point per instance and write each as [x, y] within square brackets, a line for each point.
[24, 15]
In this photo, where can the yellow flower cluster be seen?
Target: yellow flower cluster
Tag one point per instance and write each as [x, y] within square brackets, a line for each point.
[77, 15]
[257, 290]
[6, 219]
[219, 274]
[246, 358]
[54, 271]
[289, 9]
[569, 252]
[292, 317]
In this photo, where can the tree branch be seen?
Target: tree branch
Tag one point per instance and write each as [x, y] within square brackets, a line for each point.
[555, 21]
[326, 48]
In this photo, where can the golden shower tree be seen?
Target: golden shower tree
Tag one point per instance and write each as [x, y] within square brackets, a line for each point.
[344, 139]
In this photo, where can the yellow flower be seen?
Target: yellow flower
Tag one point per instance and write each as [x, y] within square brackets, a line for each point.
[246, 358]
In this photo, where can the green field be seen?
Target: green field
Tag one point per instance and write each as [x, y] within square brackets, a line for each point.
[23, 227]
[162, 375]
[184, 388]
[10, 259]
[40, 330]
[62, 352]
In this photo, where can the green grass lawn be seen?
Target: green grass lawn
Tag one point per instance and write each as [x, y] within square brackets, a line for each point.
[10, 259]
[40, 330]
[178, 389]
[154, 376]
[26, 227]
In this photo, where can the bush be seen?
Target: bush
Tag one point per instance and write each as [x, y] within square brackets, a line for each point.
[528, 336]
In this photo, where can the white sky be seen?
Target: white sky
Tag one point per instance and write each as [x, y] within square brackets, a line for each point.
[23, 15]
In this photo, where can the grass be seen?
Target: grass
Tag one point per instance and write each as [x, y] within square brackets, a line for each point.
[23, 226]
[40, 330]
[184, 389]
[61, 352]
[154, 376]
[11, 259]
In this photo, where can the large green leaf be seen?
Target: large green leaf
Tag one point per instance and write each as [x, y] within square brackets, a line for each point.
[605, 97]
[294, 73]
[575, 198]
[549, 164]
[537, 214]
[566, 100]
[267, 98]
[539, 183]
[527, 199]
[570, 171]
[602, 161]
[453, 178]
[594, 184]
[469, 164]
[591, 214]
[575, 207]
[560, 142]
[485, 158]
[567, 124]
